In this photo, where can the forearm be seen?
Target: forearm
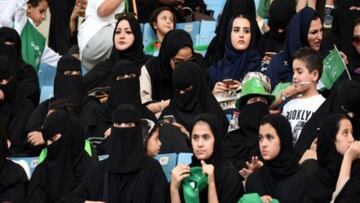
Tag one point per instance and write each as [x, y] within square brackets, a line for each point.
[300, 5]
[107, 7]
[345, 171]
[174, 194]
[73, 25]
[212, 195]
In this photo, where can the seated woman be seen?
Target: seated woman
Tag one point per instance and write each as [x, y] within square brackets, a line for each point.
[242, 144]
[224, 183]
[68, 91]
[124, 89]
[162, 20]
[13, 179]
[128, 175]
[127, 44]
[305, 29]
[281, 177]
[66, 162]
[156, 75]
[240, 56]
[334, 139]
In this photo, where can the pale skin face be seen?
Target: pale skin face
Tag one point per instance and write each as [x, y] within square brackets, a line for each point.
[164, 23]
[315, 34]
[303, 80]
[153, 144]
[184, 54]
[124, 36]
[202, 141]
[37, 13]
[344, 136]
[240, 34]
[356, 44]
[269, 142]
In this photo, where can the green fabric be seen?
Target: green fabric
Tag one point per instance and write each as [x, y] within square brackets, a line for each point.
[333, 67]
[150, 49]
[263, 9]
[253, 198]
[251, 88]
[126, 2]
[32, 45]
[87, 148]
[200, 48]
[194, 184]
[280, 87]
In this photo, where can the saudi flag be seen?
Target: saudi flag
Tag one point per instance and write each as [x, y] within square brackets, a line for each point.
[333, 67]
[32, 45]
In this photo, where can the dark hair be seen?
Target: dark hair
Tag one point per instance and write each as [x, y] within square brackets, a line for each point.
[311, 58]
[342, 116]
[357, 22]
[156, 12]
[35, 3]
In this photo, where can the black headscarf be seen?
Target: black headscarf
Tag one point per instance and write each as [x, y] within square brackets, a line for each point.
[344, 98]
[228, 182]
[242, 144]
[159, 68]
[67, 86]
[286, 163]
[12, 51]
[125, 90]
[125, 146]
[3, 149]
[135, 52]
[280, 67]
[235, 64]
[63, 155]
[198, 99]
[7, 71]
[322, 183]
[231, 8]
[280, 14]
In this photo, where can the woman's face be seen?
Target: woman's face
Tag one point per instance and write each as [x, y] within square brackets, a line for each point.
[124, 36]
[344, 136]
[202, 140]
[184, 54]
[37, 13]
[315, 34]
[164, 22]
[356, 38]
[240, 34]
[269, 142]
[153, 145]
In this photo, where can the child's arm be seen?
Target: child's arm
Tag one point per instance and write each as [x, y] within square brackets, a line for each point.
[108, 7]
[50, 57]
[8, 14]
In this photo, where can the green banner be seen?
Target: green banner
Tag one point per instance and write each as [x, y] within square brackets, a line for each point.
[333, 67]
[32, 45]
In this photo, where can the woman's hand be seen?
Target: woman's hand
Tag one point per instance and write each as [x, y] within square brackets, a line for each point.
[266, 198]
[208, 169]
[178, 174]
[353, 152]
[220, 87]
[35, 138]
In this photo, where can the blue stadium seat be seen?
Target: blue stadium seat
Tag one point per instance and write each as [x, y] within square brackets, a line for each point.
[27, 163]
[148, 34]
[47, 92]
[207, 32]
[192, 28]
[216, 6]
[46, 74]
[167, 162]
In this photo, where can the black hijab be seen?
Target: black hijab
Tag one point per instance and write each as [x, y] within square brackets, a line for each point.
[12, 51]
[243, 143]
[231, 8]
[63, 156]
[159, 68]
[125, 146]
[280, 14]
[344, 98]
[235, 64]
[3, 149]
[7, 71]
[322, 184]
[66, 85]
[198, 99]
[125, 85]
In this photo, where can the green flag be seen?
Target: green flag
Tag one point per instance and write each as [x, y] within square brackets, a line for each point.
[333, 67]
[32, 45]
[279, 88]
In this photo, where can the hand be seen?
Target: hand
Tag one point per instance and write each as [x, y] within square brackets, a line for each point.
[2, 96]
[292, 90]
[254, 164]
[266, 198]
[308, 154]
[182, 129]
[235, 86]
[344, 57]
[107, 133]
[35, 138]
[180, 172]
[208, 169]
[245, 173]
[353, 152]
[220, 87]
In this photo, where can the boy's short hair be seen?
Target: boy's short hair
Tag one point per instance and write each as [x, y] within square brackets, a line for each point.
[311, 58]
[35, 3]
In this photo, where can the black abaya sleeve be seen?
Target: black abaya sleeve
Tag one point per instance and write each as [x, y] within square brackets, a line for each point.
[13, 183]
[28, 84]
[37, 117]
[160, 186]
[229, 187]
